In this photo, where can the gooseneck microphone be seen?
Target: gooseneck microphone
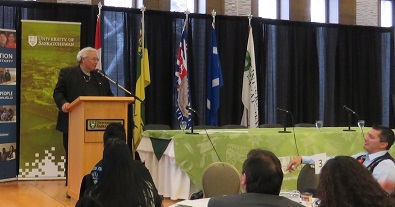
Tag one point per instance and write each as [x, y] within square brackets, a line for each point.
[285, 126]
[192, 119]
[119, 86]
[282, 110]
[284, 120]
[349, 110]
[350, 113]
[191, 109]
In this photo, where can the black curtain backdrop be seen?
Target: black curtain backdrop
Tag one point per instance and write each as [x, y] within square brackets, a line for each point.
[309, 69]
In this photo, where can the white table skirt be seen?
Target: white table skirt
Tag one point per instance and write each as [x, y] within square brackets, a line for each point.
[169, 179]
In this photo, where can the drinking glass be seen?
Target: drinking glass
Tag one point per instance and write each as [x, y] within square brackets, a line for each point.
[361, 124]
[183, 125]
[318, 124]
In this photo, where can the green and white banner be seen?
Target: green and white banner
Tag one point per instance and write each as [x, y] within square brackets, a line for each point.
[46, 48]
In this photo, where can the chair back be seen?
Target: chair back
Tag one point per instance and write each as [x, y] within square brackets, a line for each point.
[271, 126]
[156, 127]
[220, 178]
[307, 179]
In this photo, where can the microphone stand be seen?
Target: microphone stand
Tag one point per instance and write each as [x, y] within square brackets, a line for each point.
[349, 124]
[119, 86]
[191, 123]
[285, 124]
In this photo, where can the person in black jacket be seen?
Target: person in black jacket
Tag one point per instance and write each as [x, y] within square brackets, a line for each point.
[124, 182]
[80, 80]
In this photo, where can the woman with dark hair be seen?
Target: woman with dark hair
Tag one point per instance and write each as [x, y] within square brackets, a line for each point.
[124, 182]
[11, 40]
[346, 183]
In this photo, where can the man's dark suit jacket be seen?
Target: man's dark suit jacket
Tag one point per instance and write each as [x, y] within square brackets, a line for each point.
[70, 87]
[252, 200]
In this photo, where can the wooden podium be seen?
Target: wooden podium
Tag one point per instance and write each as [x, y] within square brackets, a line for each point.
[88, 118]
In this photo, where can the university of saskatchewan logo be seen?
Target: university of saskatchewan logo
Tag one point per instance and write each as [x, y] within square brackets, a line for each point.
[32, 41]
[93, 124]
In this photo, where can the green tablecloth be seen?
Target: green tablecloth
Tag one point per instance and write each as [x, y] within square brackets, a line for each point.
[194, 153]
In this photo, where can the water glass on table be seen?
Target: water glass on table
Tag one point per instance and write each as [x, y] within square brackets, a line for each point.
[361, 124]
[318, 124]
[183, 125]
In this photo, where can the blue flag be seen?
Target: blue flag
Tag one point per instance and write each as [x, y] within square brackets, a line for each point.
[214, 82]
[183, 97]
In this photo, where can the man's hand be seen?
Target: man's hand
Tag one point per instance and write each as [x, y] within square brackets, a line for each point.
[388, 186]
[293, 164]
[65, 107]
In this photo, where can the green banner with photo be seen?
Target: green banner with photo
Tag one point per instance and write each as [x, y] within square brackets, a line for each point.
[46, 48]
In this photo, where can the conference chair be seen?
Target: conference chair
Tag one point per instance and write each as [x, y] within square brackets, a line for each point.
[233, 126]
[270, 126]
[307, 180]
[220, 178]
[156, 127]
[304, 125]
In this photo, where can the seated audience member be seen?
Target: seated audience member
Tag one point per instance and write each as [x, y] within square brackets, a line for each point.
[122, 182]
[261, 180]
[376, 158]
[346, 183]
[113, 130]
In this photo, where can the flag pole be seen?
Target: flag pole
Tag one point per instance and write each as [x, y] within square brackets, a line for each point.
[99, 6]
[213, 14]
[186, 16]
[249, 19]
[142, 9]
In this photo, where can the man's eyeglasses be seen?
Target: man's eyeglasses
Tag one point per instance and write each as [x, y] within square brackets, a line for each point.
[94, 59]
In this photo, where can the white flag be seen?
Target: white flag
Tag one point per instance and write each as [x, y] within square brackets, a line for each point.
[249, 95]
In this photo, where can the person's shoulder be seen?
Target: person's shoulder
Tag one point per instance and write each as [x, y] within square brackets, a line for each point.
[69, 69]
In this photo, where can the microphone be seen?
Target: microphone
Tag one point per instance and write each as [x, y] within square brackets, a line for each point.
[282, 110]
[194, 112]
[350, 117]
[349, 110]
[100, 72]
[191, 109]
[285, 126]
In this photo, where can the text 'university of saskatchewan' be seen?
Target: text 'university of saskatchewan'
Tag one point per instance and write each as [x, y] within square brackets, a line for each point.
[51, 41]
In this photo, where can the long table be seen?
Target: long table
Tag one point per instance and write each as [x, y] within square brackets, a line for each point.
[177, 172]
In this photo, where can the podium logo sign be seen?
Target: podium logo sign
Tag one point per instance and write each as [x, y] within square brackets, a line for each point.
[32, 41]
[100, 124]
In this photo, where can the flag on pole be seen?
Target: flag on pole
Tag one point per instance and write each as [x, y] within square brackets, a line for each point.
[182, 95]
[97, 39]
[214, 82]
[143, 80]
[249, 95]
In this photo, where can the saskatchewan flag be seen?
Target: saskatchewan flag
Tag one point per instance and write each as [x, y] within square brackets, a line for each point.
[143, 80]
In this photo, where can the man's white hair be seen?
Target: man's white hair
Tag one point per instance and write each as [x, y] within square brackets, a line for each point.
[84, 53]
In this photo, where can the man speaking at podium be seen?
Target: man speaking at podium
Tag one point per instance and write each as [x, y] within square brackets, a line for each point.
[81, 80]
